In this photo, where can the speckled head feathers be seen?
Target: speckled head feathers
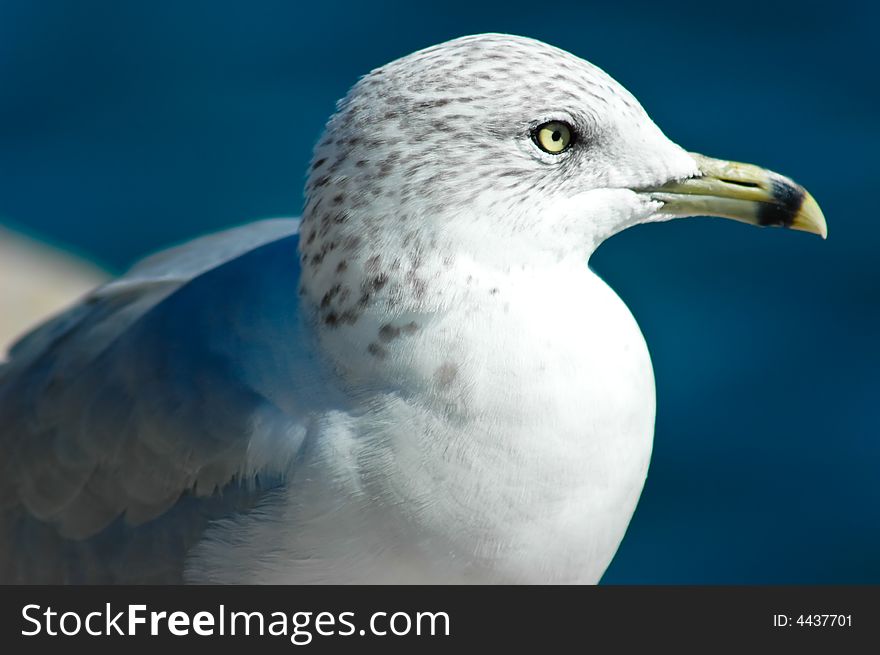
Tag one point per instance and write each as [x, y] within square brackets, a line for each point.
[433, 157]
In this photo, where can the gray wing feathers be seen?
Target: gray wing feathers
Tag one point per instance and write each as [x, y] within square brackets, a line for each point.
[118, 408]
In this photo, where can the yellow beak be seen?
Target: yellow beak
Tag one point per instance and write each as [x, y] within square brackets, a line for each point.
[742, 192]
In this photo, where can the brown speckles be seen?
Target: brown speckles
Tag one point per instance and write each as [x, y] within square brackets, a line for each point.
[388, 333]
[334, 319]
[324, 229]
[338, 198]
[349, 317]
[431, 104]
[378, 282]
[446, 374]
[328, 297]
[351, 243]
[342, 266]
[312, 204]
[443, 126]
[377, 351]
[371, 266]
[417, 285]
[388, 165]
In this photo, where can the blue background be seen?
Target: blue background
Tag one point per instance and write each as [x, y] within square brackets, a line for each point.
[127, 126]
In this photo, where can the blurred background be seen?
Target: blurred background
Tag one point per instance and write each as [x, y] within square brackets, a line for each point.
[125, 127]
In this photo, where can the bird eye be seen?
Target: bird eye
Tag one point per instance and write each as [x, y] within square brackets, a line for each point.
[553, 137]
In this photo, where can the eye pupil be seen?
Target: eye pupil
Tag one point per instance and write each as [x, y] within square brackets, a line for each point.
[556, 135]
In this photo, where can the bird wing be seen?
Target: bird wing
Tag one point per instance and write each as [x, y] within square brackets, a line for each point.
[175, 383]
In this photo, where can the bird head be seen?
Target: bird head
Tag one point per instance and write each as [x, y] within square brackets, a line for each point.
[507, 152]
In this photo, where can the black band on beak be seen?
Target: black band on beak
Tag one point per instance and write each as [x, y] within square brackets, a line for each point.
[787, 203]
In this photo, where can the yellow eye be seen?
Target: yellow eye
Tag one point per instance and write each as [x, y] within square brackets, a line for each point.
[553, 137]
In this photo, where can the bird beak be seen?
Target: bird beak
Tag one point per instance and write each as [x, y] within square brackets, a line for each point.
[742, 192]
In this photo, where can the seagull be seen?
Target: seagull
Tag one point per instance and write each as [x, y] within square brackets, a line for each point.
[419, 381]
